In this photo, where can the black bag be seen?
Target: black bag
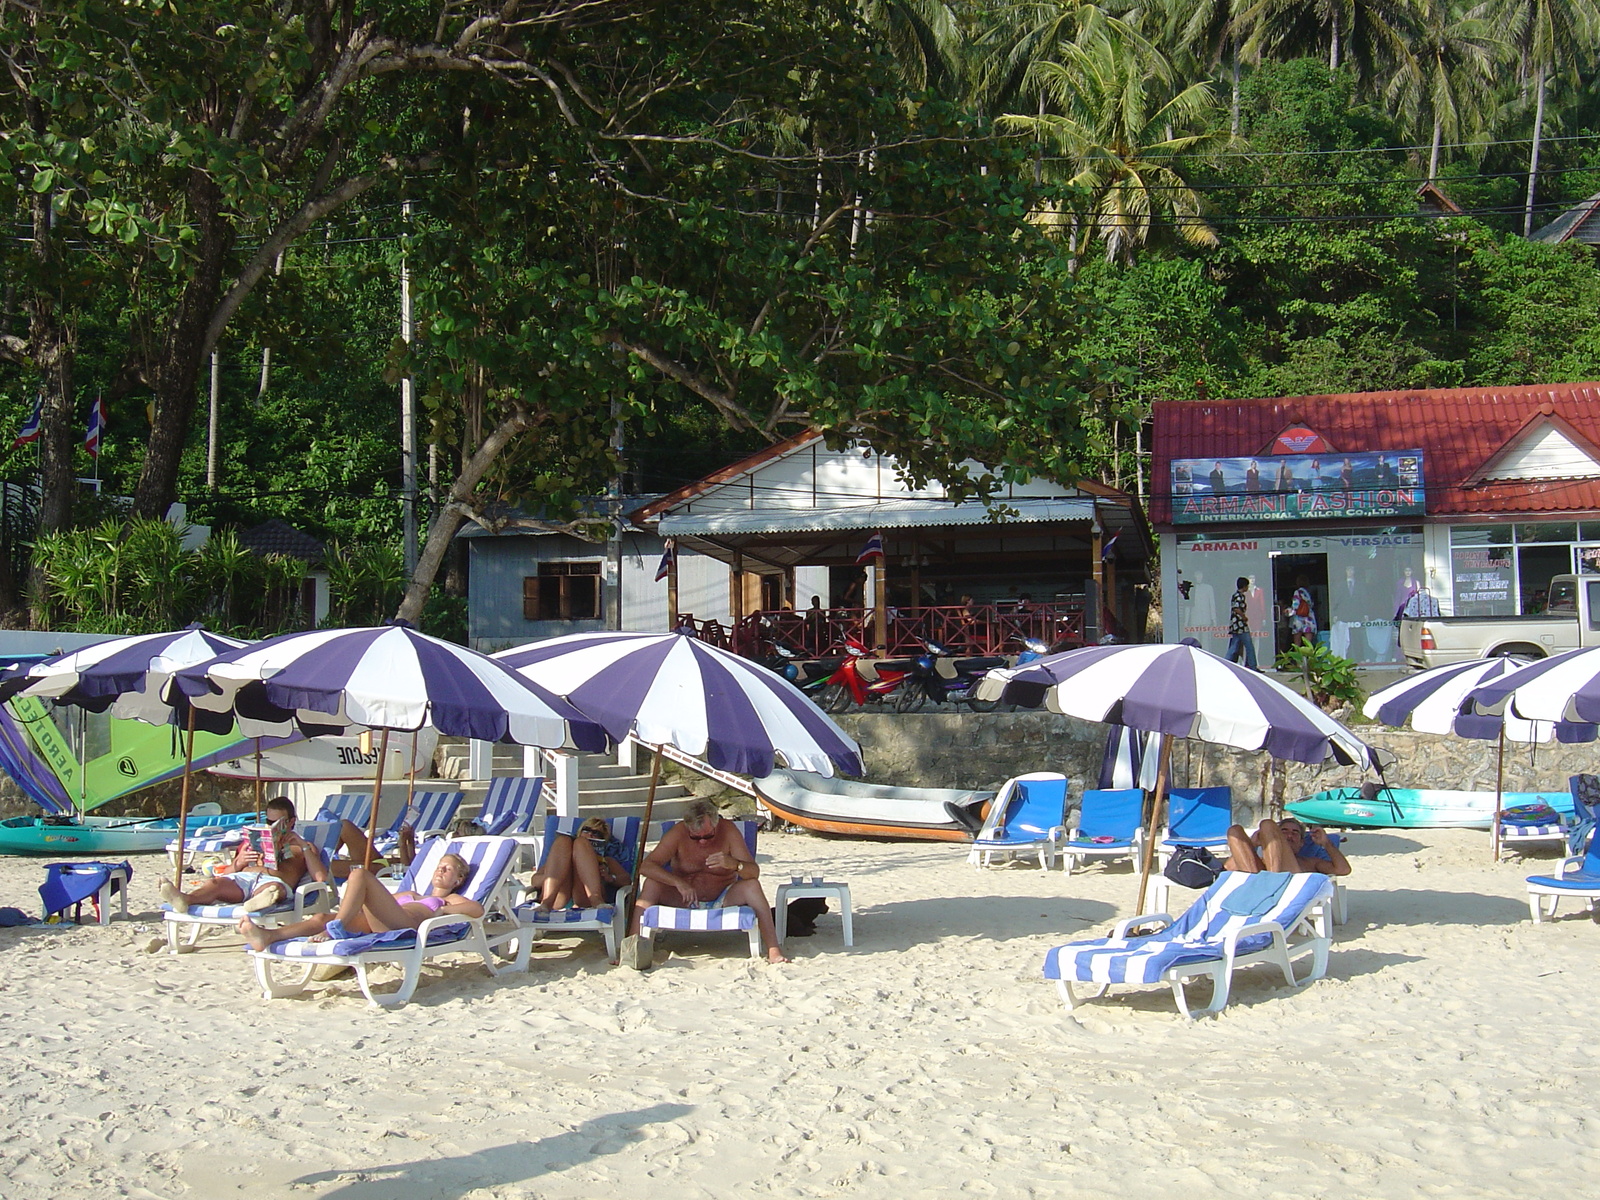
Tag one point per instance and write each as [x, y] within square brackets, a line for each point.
[1193, 867]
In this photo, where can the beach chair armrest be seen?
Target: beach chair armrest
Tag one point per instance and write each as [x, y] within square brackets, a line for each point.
[313, 892]
[1230, 943]
[1570, 865]
[1120, 929]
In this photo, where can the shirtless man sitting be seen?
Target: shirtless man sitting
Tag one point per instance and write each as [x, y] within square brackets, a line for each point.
[1286, 846]
[249, 882]
[703, 862]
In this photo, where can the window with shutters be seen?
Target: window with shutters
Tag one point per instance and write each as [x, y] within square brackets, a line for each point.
[562, 591]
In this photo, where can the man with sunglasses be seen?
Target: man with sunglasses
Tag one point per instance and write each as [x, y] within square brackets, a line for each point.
[703, 862]
[1285, 845]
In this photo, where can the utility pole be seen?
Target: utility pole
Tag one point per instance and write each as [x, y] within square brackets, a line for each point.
[408, 417]
[212, 423]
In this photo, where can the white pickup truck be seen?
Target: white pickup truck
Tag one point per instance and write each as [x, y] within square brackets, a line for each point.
[1571, 620]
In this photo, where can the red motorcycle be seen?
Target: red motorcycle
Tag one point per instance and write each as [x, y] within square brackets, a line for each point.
[862, 680]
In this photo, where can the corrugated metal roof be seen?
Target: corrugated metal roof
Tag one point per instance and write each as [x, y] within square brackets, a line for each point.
[1576, 223]
[892, 514]
[1458, 430]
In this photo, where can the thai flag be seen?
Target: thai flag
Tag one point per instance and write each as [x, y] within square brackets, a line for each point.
[873, 549]
[669, 556]
[97, 425]
[30, 428]
[1108, 548]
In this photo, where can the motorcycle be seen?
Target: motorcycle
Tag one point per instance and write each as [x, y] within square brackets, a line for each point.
[857, 683]
[937, 677]
[809, 675]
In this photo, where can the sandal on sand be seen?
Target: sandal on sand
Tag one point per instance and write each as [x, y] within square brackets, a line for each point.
[171, 896]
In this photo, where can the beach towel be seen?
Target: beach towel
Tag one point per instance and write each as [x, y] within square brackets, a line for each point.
[67, 884]
[1529, 814]
[342, 941]
[1256, 894]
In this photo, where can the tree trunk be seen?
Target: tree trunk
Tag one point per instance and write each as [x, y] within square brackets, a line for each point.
[177, 374]
[1433, 155]
[1333, 43]
[1233, 71]
[1533, 153]
[442, 529]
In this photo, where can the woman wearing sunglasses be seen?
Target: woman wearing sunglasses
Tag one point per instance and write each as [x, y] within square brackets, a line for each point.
[703, 862]
[585, 870]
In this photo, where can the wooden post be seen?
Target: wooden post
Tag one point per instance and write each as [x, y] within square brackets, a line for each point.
[183, 799]
[1499, 789]
[880, 606]
[377, 794]
[737, 605]
[1158, 800]
[672, 591]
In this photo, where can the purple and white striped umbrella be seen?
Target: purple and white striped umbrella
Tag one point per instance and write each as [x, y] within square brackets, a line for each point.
[1186, 692]
[673, 689]
[389, 678]
[1565, 687]
[1432, 701]
[127, 675]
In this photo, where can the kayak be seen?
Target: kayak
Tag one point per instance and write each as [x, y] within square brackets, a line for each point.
[841, 806]
[1417, 808]
[103, 835]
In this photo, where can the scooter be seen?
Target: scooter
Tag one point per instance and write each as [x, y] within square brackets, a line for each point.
[857, 682]
[809, 675]
[937, 677]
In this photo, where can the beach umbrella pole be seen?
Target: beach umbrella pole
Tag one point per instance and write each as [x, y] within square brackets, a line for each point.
[644, 827]
[260, 812]
[183, 800]
[1157, 800]
[377, 793]
[1499, 793]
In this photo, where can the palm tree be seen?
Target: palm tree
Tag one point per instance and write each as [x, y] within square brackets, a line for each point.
[1212, 31]
[1121, 126]
[1365, 35]
[927, 41]
[1451, 62]
[1548, 34]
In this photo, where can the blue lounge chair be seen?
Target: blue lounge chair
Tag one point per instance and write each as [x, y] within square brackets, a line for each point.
[428, 814]
[1197, 817]
[1027, 817]
[1577, 878]
[509, 808]
[355, 807]
[1238, 921]
[608, 919]
[310, 897]
[490, 859]
[733, 919]
[1110, 825]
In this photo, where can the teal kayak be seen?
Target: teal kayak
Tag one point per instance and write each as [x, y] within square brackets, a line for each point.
[111, 836]
[1417, 808]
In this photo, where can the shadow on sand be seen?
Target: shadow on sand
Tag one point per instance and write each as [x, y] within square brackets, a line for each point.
[495, 1166]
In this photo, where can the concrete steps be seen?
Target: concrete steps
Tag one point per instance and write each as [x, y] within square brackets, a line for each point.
[605, 787]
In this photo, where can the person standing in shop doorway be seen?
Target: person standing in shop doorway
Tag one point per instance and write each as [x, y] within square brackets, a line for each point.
[1241, 646]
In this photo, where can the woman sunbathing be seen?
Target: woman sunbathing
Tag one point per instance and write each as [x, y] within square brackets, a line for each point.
[366, 906]
[579, 870]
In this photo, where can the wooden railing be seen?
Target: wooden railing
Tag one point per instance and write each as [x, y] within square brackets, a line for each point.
[961, 629]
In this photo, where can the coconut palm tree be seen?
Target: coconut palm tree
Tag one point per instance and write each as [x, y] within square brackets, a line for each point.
[1549, 36]
[1120, 128]
[927, 41]
[1211, 30]
[1450, 64]
[1364, 35]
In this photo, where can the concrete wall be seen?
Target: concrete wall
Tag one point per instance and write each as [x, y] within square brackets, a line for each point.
[972, 750]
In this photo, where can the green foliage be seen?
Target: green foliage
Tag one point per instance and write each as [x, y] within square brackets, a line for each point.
[1331, 680]
[364, 583]
[445, 616]
[135, 577]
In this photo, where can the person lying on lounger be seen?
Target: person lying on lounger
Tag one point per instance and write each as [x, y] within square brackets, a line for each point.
[250, 883]
[1287, 846]
[703, 862]
[366, 906]
[584, 870]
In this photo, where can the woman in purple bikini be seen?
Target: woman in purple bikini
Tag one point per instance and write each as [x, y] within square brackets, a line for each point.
[366, 906]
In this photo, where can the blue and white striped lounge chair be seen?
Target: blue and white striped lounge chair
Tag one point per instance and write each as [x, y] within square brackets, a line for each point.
[1110, 825]
[608, 919]
[428, 813]
[355, 807]
[510, 806]
[491, 860]
[310, 897]
[1241, 919]
[734, 919]
[1196, 817]
[1027, 817]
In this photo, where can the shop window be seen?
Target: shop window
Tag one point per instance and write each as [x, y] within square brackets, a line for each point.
[1548, 531]
[1480, 535]
[1536, 566]
[562, 591]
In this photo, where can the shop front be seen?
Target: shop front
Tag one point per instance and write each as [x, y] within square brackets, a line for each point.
[1468, 501]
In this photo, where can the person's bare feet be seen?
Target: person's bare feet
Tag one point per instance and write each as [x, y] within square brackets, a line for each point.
[258, 937]
[775, 955]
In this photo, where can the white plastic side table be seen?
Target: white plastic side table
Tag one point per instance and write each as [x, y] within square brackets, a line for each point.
[814, 887]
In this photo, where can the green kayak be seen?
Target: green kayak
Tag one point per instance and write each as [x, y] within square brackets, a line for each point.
[1417, 808]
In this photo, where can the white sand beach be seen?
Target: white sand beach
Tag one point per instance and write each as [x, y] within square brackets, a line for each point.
[1450, 1051]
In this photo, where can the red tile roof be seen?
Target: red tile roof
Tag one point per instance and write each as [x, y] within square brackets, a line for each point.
[1458, 430]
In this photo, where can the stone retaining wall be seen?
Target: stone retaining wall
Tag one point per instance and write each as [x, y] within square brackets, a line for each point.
[982, 750]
